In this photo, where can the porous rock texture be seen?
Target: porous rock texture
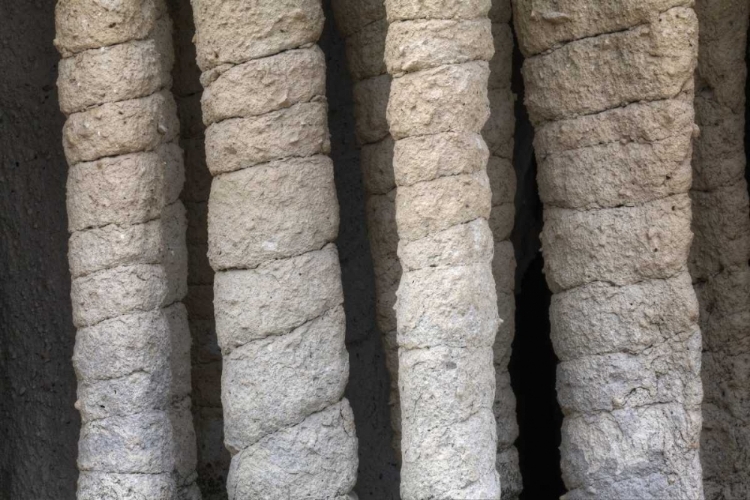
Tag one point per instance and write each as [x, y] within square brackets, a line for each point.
[127, 253]
[364, 26]
[213, 458]
[498, 133]
[447, 318]
[609, 88]
[721, 247]
[272, 218]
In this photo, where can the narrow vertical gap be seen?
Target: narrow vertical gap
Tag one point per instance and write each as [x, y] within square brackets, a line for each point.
[533, 363]
[369, 384]
[747, 118]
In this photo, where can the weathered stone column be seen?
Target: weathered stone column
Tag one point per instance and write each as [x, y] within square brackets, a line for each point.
[609, 86]
[127, 251]
[363, 24]
[721, 248]
[447, 315]
[272, 220]
[498, 133]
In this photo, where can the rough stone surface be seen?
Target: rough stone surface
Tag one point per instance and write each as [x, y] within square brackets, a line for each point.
[236, 32]
[721, 247]
[417, 45]
[322, 442]
[263, 85]
[365, 49]
[447, 308]
[298, 131]
[273, 207]
[257, 214]
[128, 255]
[615, 133]
[449, 98]
[646, 63]
[401, 10]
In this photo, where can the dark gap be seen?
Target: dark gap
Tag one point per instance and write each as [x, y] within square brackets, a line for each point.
[368, 387]
[533, 363]
[747, 118]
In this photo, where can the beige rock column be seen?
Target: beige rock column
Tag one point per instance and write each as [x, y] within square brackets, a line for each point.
[272, 220]
[447, 304]
[213, 458]
[127, 251]
[364, 26]
[498, 133]
[721, 248]
[609, 86]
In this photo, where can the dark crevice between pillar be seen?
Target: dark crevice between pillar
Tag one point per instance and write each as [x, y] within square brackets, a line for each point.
[533, 363]
[368, 388]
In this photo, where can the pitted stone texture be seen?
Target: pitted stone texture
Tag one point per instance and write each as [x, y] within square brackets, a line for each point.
[298, 131]
[427, 207]
[117, 73]
[719, 153]
[509, 470]
[90, 24]
[276, 297]
[504, 266]
[277, 382]
[121, 290]
[257, 214]
[721, 223]
[264, 85]
[365, 49]
[429, 157]
[355, 15]
[727, 319]
[501, 11]
[114, 245]
[647, 63]
[657, 446]
[616, 174]
[621, 245]
[600, 318]
[371, 98]
[545, 24]
[500, 127]
[184, 449]
[135, 444]
[425, 44]
[643, 122]
[237, 31]
[458, 433]
[504, 408]
[665, 373]
[383, 236]
[105, 485]
[506, 309]
[447, 99]
[502, 181]
[400, 10]
[323, 449]
[121, 128]
[127, 189]
[447, 306]
[501, 64]
[376, 161]
[469, 243]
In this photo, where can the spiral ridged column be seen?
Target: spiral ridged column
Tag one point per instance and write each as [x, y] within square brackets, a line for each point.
[721, 248]
[609, 87]
[272, 220]
[364, 26]
[127, 251]
[498, 133]
[438, 53]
